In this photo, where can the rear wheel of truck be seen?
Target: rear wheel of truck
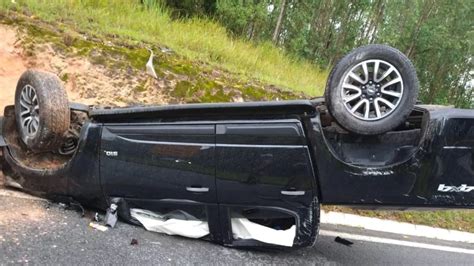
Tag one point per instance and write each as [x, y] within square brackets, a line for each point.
[372, 89]
[41, 111]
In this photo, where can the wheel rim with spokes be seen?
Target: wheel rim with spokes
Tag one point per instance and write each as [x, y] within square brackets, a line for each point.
[372, 90]
[29, 111]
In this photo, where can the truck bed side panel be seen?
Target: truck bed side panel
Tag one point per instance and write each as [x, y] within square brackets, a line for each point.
[444, 159]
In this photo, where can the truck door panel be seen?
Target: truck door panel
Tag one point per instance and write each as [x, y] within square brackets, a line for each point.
[258, 163]
[264, 174]
[159, 161]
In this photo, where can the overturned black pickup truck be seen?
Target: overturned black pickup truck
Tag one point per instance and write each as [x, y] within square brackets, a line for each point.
[246, 174]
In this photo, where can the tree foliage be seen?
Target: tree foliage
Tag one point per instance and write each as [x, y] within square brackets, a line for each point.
[437, 35]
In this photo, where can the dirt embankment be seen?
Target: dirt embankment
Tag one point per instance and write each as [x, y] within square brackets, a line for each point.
[11, 65]
[110, 71]
[85, 82]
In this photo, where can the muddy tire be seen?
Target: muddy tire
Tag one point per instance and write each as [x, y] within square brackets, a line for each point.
[41, 111]
[372, 89]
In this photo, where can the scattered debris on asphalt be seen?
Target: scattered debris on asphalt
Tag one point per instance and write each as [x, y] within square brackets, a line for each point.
[99, 227]
[77, 207]
[97, 217]
[343, 241]
[134, 242]
[111, 215]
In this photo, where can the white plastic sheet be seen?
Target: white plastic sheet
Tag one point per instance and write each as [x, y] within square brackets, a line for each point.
[243, 228]
[158, 223]
[183, 224]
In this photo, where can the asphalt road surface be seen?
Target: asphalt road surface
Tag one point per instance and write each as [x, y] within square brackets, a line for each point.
[36, 232]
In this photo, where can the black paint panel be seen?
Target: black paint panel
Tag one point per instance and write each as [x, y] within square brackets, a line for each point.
[164, 166]
[261, 134]
[445, 155]
[246, 110]
[263, 166]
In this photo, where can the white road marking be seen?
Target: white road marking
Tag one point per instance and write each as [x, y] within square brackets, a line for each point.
[395, 242]
[457, 147]
[388, 226]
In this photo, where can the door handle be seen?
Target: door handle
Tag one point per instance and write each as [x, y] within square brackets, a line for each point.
[293, 192]
[197, 189]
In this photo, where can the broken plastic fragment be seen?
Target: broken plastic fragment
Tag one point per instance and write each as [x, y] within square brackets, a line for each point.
[97, 217]
[111, 215]
[150, 69]
[98, 226]
[343, 241]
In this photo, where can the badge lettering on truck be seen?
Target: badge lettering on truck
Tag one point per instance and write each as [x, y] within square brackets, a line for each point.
[111, 153]
[462, 188]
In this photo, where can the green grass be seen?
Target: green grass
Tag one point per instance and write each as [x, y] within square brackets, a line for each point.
[462, 220]
[197, 39]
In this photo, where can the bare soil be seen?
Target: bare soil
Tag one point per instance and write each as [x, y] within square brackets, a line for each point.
[12, 64]
[85, 82]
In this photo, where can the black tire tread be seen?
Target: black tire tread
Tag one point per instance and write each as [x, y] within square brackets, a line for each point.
[352, 124]
[54, 109]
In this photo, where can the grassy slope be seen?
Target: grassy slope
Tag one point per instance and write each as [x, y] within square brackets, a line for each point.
[462, 220]
[181, 80]
[196, 39]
